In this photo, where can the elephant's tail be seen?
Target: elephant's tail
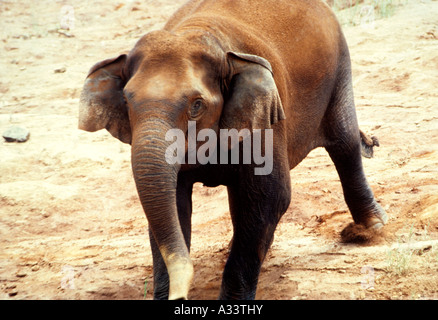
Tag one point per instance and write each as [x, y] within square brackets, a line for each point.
[367, 144]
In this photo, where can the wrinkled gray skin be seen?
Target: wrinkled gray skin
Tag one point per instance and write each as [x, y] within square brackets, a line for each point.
[280, 65]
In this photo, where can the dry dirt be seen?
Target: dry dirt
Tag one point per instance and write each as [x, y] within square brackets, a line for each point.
[71, 226]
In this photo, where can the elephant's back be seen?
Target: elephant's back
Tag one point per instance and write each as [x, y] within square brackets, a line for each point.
[277, 21]
[298, 36]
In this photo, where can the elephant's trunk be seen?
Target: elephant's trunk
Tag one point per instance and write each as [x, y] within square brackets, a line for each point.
[156, 182]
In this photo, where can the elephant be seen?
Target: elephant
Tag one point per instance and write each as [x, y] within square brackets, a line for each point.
[279, 66]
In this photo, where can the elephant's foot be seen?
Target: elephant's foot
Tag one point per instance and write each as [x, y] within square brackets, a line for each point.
[369, 229]
[376, 218]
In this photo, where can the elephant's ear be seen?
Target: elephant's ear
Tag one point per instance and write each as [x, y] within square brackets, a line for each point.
[252, 100]
[102, 104]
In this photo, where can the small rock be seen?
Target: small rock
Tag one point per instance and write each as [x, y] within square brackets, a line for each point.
[65, 33]
[16, 134]
[35, 268]
[21, 274]
[60, 70]
[13, 293]
[45, 214]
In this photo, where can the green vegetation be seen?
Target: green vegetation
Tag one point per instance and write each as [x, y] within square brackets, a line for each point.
[408, 252]
[399, 258]
[364, 12]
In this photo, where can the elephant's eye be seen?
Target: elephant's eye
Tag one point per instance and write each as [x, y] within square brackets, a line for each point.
[196, 109]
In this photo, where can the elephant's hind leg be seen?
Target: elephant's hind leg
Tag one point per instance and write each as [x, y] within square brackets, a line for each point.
[343, 143]
[357, 193]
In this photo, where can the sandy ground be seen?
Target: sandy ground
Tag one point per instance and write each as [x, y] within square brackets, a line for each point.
[71, 226]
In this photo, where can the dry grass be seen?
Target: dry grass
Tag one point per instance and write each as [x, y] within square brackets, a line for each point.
[364, 12]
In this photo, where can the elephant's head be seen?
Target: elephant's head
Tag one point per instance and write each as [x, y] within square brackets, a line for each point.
[162, 84]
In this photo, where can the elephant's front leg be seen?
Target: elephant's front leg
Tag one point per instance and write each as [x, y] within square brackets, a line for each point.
[256, 208]
[184, 205]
